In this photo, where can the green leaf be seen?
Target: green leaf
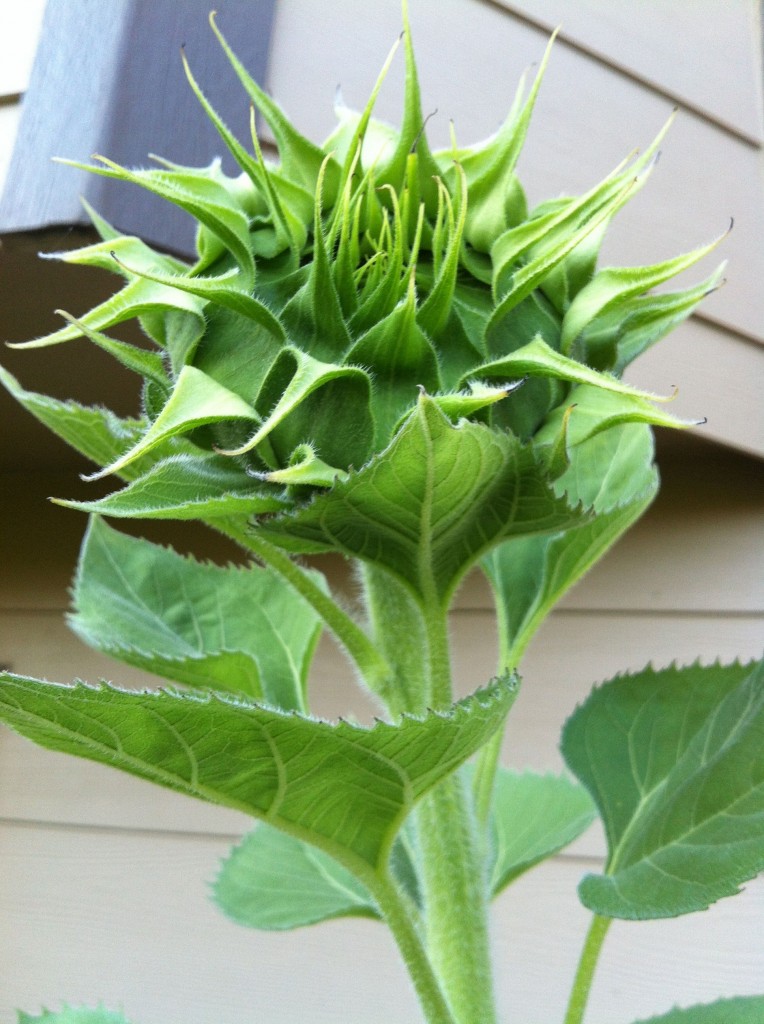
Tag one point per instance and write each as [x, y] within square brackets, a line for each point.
[137, 298]
[305, 468]
[533, 817]
[648, 319]
[185, 486]
[349, 141]
[342, 788]
[537, 359]
[435, 310]
[140, 297]
[300, 158]
[314, 318]
[305, 401]
[274, 882]
[740, 1010]
[235, 352]
[607, 468]
[675, 762]
[611, 290]
[97, 433]
[199, 192]
[111, 253]
[227, 289]
[237, 629]
[196, 399]
[489, 169]
[412, 149]
[548, 240]
[74, 1015]
[529, 575]
[400, 357]
[149, 365]
[428, 506]
[286, 231]
[571, 274]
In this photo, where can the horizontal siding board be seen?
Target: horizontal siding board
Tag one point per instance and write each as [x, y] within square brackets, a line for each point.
[123, 918]
[587, 120]
[570, 654]
[718, 71]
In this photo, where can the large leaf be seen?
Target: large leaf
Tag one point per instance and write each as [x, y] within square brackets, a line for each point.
[431, 504]
[74, 1015]
[740, 1010]
[274, 882]
[343, 788]
[675, 762]
[532, 817]
[237, 629]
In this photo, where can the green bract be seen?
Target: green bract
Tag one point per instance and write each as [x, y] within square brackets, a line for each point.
[335, 286]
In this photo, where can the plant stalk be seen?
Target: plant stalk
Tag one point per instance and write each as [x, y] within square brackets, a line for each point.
[397, 628]
[367, 658]
[582, 983]
[455, 901]
[453, 879]
[393, 908]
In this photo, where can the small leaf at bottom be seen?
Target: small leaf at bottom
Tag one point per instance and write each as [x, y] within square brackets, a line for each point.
[74, 1015]
[742, 1010]
[274, 882]
[533, 816]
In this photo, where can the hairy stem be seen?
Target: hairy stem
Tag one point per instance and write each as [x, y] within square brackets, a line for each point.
[395, 912]
[397, 628]
[455, 901]
[367, 658]
[454, 883]
[582, 983]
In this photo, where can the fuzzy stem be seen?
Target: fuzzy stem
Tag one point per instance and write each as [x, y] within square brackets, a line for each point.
[397, 629]
[582, 983]
[453, 868]
[455, 901]
[368, 659]
[398, 919]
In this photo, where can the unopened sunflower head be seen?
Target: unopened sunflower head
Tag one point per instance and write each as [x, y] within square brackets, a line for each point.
[334, 287]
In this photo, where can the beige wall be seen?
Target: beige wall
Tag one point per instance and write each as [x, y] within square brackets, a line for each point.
[102, 887]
